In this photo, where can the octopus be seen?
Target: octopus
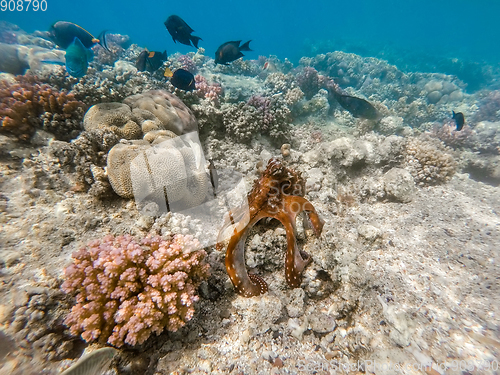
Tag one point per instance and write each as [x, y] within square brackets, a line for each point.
[278, 194]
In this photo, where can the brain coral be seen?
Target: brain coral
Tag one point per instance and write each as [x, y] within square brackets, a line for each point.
[168, 172]
[127, 289]
[428, 161]
[118, 165]
[116, 117]
[168, 108]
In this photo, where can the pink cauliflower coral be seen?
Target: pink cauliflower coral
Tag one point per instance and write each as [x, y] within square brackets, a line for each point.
[125, 289]
[207, 91]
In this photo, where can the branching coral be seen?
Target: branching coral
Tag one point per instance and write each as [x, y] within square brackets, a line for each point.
[127, 289]
[280, 83]
[208, 91]
[277, 194]
[187, 63]
[309, 82]
[260, 115]
[28, 105]
[428, 161]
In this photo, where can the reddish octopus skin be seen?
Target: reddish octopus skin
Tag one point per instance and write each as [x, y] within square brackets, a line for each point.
[272, 197]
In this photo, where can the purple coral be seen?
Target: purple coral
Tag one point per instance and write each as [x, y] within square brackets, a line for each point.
[187, 63]
[309, 82]
[263, 105]
[127, 289]
[451, 137]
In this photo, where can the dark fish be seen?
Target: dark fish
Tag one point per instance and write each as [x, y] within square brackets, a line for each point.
[77, 58]
[180, 31]
[63, 33]
[459, 120]
[357, 106]
[150, 61]
[182, 79]
[230, 51]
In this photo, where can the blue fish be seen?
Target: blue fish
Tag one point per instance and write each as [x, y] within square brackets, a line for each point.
[459, 120]
[77, 58]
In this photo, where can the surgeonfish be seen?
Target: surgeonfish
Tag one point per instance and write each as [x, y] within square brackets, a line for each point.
[93, 363]
[230, 51]
[459, 120]
[182, 79]
[77, 58]
[180, 31]
[150, 61]
[64, 33]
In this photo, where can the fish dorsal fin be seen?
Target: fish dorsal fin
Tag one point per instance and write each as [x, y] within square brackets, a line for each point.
[77, 42]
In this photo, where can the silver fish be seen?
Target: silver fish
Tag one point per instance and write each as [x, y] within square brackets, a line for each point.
[92, 364]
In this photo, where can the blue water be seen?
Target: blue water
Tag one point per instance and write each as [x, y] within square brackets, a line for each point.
[460, 28]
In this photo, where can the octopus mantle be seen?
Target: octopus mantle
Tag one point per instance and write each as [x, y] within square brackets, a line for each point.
[277, 194]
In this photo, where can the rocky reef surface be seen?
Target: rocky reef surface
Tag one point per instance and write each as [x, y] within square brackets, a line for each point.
[405, 271]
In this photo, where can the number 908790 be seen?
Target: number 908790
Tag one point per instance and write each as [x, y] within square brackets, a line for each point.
[23, 5]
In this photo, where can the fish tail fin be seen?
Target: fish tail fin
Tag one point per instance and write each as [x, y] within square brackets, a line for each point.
[164, 55]
[195, 40]
[90, 55]
[103, 41]
[245, 46]
[454, 114]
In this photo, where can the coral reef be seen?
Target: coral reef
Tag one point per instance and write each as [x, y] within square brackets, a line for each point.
[428, 161]
[36, 323]
[260, 115]
[27, 105]
[127, 289]
[450, 136]
[309, 81]
[280, 83]
[187, 63]
[82, 158]
[442, 92]
[489, 108]
[277, 194]
[208, 91]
